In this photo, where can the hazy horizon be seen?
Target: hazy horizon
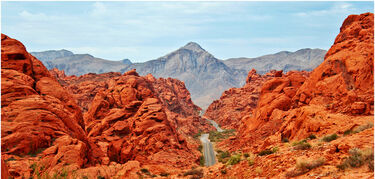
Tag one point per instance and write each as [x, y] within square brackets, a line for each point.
[142, 31]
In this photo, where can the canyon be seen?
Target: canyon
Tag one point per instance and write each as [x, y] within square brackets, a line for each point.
[281, 123]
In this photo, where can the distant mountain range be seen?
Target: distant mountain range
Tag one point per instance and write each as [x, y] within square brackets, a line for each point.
[205, 76]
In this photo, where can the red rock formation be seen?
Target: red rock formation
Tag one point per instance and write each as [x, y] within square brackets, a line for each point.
[336, 97]
[36, 111]
[344, 81]
[237, 103]
[130, 121]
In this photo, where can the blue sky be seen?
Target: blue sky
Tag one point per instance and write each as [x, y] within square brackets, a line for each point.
[144, 31]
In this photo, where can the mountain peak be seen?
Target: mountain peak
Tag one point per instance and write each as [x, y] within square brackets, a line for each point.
[126, 61]
[193, 46]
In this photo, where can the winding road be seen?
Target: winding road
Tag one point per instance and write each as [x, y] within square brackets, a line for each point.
[208, 149]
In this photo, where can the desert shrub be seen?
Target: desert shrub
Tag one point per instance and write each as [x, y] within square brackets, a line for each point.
[285, 140]
[330, 137]
[250, 161]
[234, 159]
[363, 127]
[222, 156]
[145, 170]
[201, 160]
[246, 155]
[303, 166]
[200, 147]
[10, 159]
[357, 158]
[216, 136]
[348, 132]
[100, 177]
[194, 172]
[258, 171]
[311, 137]
[223, 171]
[197, 134]
[164, 174]
[33, 167]
[265, 152]
[301, 145]
[268, 151]
[64, 174]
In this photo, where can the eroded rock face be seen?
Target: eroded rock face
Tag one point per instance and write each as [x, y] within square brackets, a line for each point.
[336, 97]
[129, 121]
[128, 114]
[345, 78]
[236, 103]
[35, 110]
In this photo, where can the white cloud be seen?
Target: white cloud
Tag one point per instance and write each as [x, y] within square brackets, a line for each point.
[337, 8]
[99, 9]
[26, 15]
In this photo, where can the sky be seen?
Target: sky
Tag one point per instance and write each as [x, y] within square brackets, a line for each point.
[142, 31]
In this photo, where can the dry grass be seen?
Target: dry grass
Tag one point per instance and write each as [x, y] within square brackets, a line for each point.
[358, 158]
[304, 166]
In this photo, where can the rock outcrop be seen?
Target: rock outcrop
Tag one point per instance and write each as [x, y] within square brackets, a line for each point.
[36, 111]
[336, 98]
[236, 103]
[93, 125]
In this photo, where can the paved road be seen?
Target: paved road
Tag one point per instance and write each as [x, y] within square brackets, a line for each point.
[214, 124]
[208, 150]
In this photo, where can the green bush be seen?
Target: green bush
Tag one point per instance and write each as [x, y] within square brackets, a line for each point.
[10, 159]
[234, 159]
[311, 137]
[301, 145]
[246, 155]
[145, 170]
[265, 152]
[285, 140]
[164, 174]
[223, 171]
[200, 147]
[330, 138]
[216, 136]
[347, 132]
[201, 160]
[197, 134]
[222, 157]
[100, 177]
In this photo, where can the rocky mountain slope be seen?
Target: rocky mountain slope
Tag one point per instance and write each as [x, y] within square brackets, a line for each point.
[128, 122]
[317, 125]
[205, 76]
[79, 64]
[301, 60]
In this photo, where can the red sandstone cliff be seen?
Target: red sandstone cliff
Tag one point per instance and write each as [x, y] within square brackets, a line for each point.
[337, 97]
[36, 113]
